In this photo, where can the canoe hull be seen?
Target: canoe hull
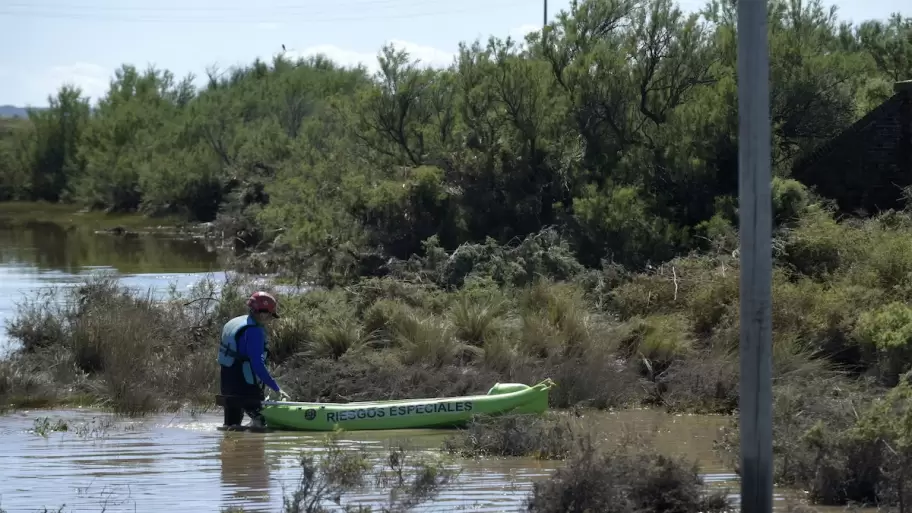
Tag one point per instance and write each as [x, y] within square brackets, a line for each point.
[407, 414]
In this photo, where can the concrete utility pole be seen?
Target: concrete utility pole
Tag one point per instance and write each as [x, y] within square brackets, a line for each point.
[755, 212]
[544, 23]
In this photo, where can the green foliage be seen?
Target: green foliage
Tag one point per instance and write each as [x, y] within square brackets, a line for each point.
[545, 253]
[657, 341]
[618, 132]
[886, 331]
[834, 440]
[888, 45]
[44, 154]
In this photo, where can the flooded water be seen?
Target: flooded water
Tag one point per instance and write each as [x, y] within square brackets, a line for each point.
[38, 255]
[183, 461]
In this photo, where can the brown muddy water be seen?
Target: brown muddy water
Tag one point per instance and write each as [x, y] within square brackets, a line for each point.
[181, 462]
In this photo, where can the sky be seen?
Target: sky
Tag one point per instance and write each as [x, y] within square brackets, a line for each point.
[47, 43]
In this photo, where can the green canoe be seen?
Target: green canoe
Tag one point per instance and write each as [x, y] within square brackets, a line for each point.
[408, 413]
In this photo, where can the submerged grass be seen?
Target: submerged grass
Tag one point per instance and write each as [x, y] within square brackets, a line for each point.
[548, 437]
[134, 354]
[627, 475]
[627, 478]
[630, 476]
[407, 478]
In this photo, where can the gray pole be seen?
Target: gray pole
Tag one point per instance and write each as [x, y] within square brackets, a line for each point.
[755, 212]
[544, 25]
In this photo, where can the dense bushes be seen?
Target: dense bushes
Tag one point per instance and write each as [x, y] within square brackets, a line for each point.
[454, 323]
[624, 141]
[833, 439]
[104, 344]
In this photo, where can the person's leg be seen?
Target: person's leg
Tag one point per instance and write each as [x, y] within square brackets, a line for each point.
[254, 407]
[256, 416]
[233, 416]
[232, 381]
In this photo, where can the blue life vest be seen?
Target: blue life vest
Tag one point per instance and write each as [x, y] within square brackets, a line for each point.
[228, 349]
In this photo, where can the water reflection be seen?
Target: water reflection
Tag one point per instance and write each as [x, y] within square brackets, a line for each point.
[49, 246]
[244, 469]
[35, 255]
[183, 463]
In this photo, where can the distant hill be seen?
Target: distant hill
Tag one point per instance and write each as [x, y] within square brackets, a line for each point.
[10, 111]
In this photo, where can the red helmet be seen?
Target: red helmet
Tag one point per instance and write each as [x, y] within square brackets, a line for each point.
[263, 302]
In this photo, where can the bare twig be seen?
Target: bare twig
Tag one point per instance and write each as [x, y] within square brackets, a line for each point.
[674, 276]
[188, 303]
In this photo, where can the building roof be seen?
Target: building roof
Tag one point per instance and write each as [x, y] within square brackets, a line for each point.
[900, 90]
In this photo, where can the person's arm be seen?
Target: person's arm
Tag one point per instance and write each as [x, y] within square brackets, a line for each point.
[255, 339]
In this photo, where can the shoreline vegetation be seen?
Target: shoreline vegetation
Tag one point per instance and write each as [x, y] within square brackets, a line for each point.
[565, 210]
[609, 339]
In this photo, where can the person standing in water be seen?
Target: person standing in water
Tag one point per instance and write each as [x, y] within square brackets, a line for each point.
[242, 358]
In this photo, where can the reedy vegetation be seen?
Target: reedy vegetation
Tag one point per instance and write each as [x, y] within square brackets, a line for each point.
[563, 210]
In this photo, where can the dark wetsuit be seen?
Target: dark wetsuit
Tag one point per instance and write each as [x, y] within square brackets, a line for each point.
[247, 384]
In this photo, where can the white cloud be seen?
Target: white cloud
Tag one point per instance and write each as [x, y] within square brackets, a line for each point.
[94, 80]
[426, 55]
[519, 33]
[334, 53]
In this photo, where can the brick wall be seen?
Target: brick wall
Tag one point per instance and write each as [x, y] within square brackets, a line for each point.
[865, 167]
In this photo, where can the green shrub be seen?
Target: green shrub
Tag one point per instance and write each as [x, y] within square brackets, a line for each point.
[886, 333]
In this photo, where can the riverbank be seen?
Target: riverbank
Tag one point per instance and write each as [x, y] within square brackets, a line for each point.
[444, 324]
[455, 323]
[381, 339]
[103, 345]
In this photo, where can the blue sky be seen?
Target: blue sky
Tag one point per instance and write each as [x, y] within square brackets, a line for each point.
[49, 42]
